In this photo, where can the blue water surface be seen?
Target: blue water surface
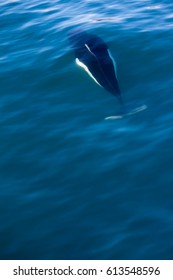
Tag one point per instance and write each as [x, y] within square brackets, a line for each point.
[73, 185]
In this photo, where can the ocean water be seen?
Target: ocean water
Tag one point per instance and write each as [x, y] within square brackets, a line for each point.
[73, 185]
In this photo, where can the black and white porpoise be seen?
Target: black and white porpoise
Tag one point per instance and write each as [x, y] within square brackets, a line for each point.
[93, 55]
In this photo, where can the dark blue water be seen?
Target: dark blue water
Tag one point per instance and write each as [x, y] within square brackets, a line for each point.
[73, 185]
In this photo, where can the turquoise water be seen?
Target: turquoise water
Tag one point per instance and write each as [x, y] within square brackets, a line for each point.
[73, 185]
